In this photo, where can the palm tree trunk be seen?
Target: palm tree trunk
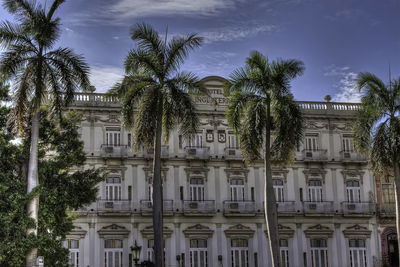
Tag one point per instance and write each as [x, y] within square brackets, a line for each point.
[158, 194]
[271, 215]
[396, 169]
[33, 205]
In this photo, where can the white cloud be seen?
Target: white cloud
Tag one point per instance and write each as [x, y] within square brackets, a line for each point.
[104, 77]
[237, 32]
[345, 86]
[116, 37]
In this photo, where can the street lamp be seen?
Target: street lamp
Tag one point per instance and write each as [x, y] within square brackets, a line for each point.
[136, 253]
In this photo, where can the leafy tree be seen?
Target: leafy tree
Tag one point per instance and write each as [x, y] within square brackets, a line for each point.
[39, 75]
[155, 99]
[377, 130]
[262, 108]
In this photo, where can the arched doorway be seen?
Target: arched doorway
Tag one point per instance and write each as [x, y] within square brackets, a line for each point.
[390, 251]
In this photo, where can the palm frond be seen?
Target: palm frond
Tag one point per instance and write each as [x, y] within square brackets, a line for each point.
[149, 40]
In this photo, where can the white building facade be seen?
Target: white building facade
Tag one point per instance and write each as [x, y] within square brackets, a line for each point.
[213, 200]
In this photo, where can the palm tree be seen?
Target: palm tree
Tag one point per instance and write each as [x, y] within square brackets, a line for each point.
[39, 75]
[262, 108]
[155, 99]
[377, 130]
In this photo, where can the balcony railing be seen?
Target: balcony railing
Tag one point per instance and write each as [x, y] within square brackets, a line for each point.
[146, 206]
[352, 156]
[113, 205]
[204, 207]
[233, 153]
[361, 208]
[387, 209]
[286, 207]
[113, 151]
[324, 207]
[232, 208]
[194, 152]
[314, 155]
[149, 152]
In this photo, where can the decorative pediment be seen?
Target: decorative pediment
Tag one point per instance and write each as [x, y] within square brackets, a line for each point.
[148, 172]
[148, 232]
[352, 174]
[112, 231]
[234, 173]
[239, 230]
[198, 230]
[112, 118]
[318, 231]
[357, 231]
[197, 172]
[76, 233]
[315, 174]
[280, 173]
[315, 125]
[284, 232]
[342, 126]
[214, 123]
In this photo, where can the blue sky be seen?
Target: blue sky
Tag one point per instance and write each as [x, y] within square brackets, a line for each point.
[336, 39]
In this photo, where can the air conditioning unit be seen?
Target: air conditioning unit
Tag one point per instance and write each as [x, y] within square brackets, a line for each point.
[192, 151]
[309, 154]
[109, 149]
[346, 155]
[109, 205]
[234, 206]
[312, 206]
[193, 205]
[351, 206]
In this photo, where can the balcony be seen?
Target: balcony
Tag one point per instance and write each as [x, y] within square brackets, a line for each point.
[286, 207]
[146, 207]
[111, 207]
[314, 155]
[358, 208]
[113, 151]
[239, 208]
[233, 153]
[320, 208]
[387, 210]
[148, 153]
[351, 156]
[199, 208]
[194, 152]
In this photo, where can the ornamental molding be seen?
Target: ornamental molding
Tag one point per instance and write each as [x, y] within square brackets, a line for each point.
[318, 231]
[214, 123]
[76, 233]
[357, 231]
[316, 125]
[148, 172]
[280, 174]
[113, 231]
[352, 174]
[342, 126]
[148, 232]
[238, 231]
[285, 232]
[197, 172]
[235, 173]
[315, 174]
[198, 231]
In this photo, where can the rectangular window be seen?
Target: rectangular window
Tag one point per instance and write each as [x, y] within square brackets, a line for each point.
[73, 246]
[198, 253]
[196, 140]
[113, 188]
[347, 143]
[284, 250]
[129, 192]
[180, 141]
[113, 136]
[353, 191]
[196, 189]
[150, 250]
[388, 193]
[278, 188]
[113, 253]
[315, 190]
[237, 189]
[233, 141]
[358, 253]
[311, 142]
[129, 139]
[252, 194]
[319, 253]
[239, 253]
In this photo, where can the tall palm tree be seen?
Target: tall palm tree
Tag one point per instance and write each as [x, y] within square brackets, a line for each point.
[262, 108]
[39, 74]
[377, 130]
[155, 99]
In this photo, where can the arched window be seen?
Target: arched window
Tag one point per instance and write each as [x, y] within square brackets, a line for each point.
[113, 253]
[198, 253]
[237, 189]
[315, 190]
[240, 252]
[196, 189]
[353, 191]
[278, 188]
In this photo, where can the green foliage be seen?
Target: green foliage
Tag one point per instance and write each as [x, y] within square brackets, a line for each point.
[377, 129]
[63, 187]
[154, 89]
[263, 87]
